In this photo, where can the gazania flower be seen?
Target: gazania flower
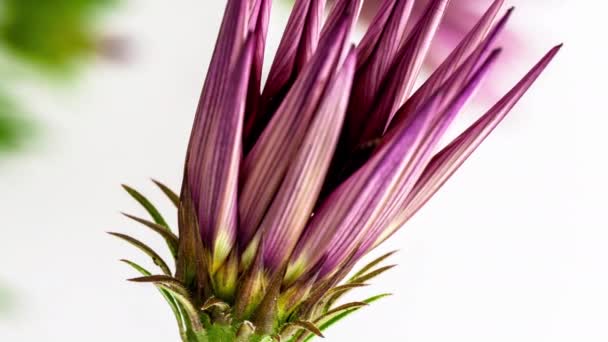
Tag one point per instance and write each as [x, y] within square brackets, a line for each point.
[288, 185]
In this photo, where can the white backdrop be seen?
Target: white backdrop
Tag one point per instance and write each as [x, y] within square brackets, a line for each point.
[512, 249]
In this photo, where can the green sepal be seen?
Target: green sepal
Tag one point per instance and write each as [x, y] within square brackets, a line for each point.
[144, 248]
[357, 280]
[345, 287]
[150, 208]
[171, 239]
[166, 281]
[308, 327]
[251, 289]
[245, 332]
[215, 302]
[339, 309]
[336, 293]
[371, 265]
[224, 280]
[292, 297]
[173, 197]
[191, 263]
[372, 274]
[175, 306]
[324, 326]
[180, 293]
[265, 315]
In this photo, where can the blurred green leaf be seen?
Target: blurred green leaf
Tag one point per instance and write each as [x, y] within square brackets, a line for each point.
[53, 34]
[14, 127]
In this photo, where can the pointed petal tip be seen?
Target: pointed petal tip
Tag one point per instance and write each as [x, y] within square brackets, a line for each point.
[548, 57]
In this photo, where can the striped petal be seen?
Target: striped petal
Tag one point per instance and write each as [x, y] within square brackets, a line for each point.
[213, 160]
[294, 202]
[403, 74]
[348, 214]
[264, 168]
[438, 103]
[297, 46]
[449, 159]
[229, 44]
[370, 108]
[339, 10]
[477, 41]
[258, 24]
[374, 32]
[408, 179]
[379, 48]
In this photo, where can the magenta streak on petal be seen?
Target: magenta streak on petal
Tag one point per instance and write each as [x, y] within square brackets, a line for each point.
[295, 200]
[219, 155]
[403, 74]
[402, 191]
[347, 215]
[211, 104]
[341, 8]
[418, 159]
[264, 167]
[349, 208]
[372, 102]
[449, 159]
[258, 24]
[374, 32]
[461, 74]
[230, 40]
[298, 44]
[466, 47]
[380, 47]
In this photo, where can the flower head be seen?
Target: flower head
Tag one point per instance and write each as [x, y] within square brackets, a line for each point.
[288, 185]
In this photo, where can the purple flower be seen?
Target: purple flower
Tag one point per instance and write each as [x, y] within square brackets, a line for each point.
[287, 185]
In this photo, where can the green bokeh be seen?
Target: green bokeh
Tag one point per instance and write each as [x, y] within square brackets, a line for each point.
[14, 127]
[52, 38]
[53, 34]
[7, 299]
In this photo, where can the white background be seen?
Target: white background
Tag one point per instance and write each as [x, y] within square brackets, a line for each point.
[514, 247]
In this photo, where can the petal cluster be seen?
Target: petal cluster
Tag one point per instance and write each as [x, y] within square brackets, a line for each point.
[289, 182]
[336, 151]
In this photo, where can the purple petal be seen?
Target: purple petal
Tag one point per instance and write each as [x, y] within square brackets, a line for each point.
[404, 73]
[297, 196]
[258, 24]
[230, 40]
[387, 41]
[378, 92]
[264, 168]
[374, 32]
[470, 43]
[437, 102]
[350, 212]
[297, 47]
[339, 10]
[213, 159]
[449, 159]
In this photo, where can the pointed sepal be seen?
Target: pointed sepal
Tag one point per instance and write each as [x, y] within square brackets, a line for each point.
[157, 259]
